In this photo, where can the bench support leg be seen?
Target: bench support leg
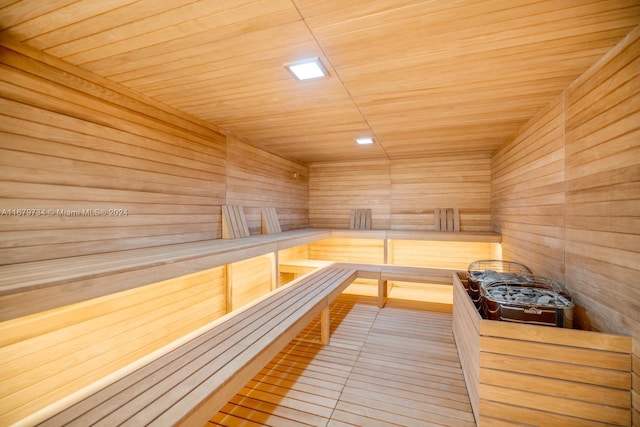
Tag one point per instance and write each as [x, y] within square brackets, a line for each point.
[325, 326]
[383, 291]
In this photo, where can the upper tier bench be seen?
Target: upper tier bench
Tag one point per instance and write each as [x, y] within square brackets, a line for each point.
[37, 286]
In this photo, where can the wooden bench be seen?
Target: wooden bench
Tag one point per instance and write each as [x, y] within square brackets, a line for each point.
[382, 273]
[189, 384]
[42, 285]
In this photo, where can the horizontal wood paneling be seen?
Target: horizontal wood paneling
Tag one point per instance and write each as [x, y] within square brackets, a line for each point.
[369, 251]
[536, 375]
[527, 199]
[424, 253]
[250, 279]
[75, 150]
[337, 188]
[425, 78]
[565, 194]
[603, 194]
[47, 356]
[257, 179]
[401, 194]
[418, 186]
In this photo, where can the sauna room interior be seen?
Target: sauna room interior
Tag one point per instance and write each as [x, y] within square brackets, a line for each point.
[170, 190]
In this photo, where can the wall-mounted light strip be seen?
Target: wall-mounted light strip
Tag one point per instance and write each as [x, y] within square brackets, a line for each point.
[307, 69]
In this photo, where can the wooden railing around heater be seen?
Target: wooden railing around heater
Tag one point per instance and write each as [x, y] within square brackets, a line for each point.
[519, 374]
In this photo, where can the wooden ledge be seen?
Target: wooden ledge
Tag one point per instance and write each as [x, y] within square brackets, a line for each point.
[440, 236]
[33, 287]
[38, 286]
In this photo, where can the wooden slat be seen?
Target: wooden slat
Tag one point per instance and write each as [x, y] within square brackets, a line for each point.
[234, 222]
[258, 179]
[270, 222]
[583, 378]
[360, 219]
[485, 70]
[357, 381]
[41, 362]
[268, 315]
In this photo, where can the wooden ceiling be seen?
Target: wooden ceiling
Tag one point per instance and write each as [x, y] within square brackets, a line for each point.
[424, 77]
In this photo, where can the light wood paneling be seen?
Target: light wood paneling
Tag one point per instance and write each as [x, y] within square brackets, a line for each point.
[424, 253]
[337, 188]
[425, 78]
[602, 143]
[418, 186]
[368, 251]
[527, 199]
[401, 194]
[525, 374]
[295, 253]
[565, 193]
[100, 170]
[250, 279]
[257, 179]
[49, 355]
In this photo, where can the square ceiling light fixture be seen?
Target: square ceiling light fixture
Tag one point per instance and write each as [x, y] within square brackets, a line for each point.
[365, 140]
[307, 69]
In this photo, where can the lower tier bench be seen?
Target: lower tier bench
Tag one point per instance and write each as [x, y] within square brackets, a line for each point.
[190, 383]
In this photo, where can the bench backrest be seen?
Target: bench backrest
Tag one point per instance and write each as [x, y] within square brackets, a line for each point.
[447, 219]
[360, 219]
[234, 222]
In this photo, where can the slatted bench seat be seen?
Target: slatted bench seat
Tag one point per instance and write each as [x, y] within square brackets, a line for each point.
[33, 287]
[383, 273]
[190, 383]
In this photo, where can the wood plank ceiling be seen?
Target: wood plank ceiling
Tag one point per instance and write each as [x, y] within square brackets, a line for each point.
[423, 77]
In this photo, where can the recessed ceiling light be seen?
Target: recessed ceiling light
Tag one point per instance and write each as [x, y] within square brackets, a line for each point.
[307, 69]
[364, 140]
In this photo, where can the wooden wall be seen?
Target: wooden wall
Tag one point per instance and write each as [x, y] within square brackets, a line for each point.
[402, 194]
[71, 142]
[47, 356]
[528, 193]
[250, 279]
[578, 218]
[99, 168]
[257, 179]
[338, 187]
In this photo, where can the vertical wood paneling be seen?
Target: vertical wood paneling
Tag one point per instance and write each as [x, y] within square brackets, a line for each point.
[104, 171]
[337, 188]
[257, 179]
[49, 355]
